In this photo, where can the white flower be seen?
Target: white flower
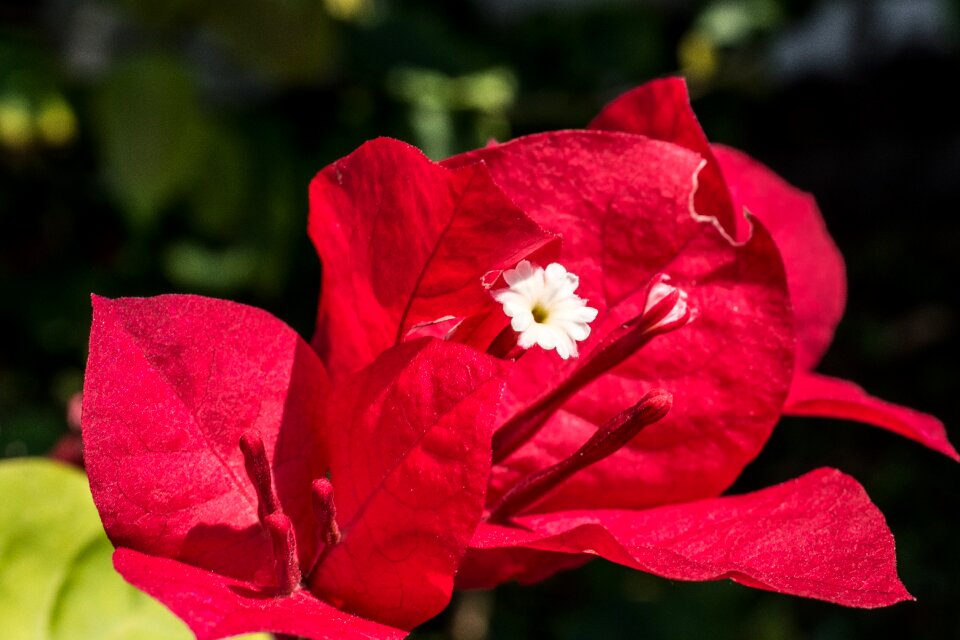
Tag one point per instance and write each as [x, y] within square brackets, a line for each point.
[544, 309]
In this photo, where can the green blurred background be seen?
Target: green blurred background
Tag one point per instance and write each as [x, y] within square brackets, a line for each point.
[159, 146]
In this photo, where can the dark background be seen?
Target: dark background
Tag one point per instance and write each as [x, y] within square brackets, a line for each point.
[150, 147]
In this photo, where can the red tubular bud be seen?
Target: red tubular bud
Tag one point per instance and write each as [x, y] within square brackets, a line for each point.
[666, 307]
[283, 537]
[258, 470]
[325, 511]
[284, 552]
[608, 439]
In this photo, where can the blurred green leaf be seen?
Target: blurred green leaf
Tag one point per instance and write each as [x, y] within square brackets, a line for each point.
[94, 602]
[222, 189]
[489, 91]
[730, 22]
[286, 40]
[58, 582]
[193, 266]
[153, 135]
[16, 121]
[434, 96]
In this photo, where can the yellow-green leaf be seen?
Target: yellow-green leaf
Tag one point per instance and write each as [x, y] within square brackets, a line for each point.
[57, 580]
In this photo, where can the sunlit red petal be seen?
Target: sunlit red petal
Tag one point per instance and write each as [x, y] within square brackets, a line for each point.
[815, 271]
[405, 241]
[661, 110]
[818, 536]
[409, 463]
[172, 382]
[622, 206]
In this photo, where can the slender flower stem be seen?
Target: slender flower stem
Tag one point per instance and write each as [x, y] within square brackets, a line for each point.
[615, 348]
[610, 438]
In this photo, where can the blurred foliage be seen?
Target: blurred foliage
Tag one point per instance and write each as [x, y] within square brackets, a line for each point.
[148, 147]
[58, 581]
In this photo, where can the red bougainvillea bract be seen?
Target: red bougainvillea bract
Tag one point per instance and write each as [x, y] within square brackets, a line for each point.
[622, 452]
[246, 495]
[253, 482]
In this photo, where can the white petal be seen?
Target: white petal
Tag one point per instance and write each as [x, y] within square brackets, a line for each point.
[562, 316]
[555, 270]
[567, 347]
[574, 312]
[522, 321]
[527, 338]
[546, 337]
[576, 330]
[522, 271]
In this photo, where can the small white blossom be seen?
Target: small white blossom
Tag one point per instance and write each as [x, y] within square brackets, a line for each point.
[544, 309]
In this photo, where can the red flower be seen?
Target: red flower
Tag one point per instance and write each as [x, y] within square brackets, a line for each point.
[210, 429]
[622, 451]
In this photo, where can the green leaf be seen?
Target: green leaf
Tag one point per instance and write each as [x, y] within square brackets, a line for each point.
[153, 135]
[221, 193]
[192, 266]
[58, 581]
[94, 602]
[287, 42]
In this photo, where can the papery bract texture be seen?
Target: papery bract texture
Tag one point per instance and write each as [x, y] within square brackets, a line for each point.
[406, 242]
[622, 204]
[172, 383]
[661, 110]
[816, 395]
[817, 536]
[815, 271]
[634, 212]
[732, 183]
[420, 422]
[175, 383]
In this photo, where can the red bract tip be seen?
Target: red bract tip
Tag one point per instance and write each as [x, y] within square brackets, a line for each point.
[325, 511]
[608, 439]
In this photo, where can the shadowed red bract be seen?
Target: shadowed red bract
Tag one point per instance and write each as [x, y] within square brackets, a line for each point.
[215, 606]
[815, 269]
[408, 509]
